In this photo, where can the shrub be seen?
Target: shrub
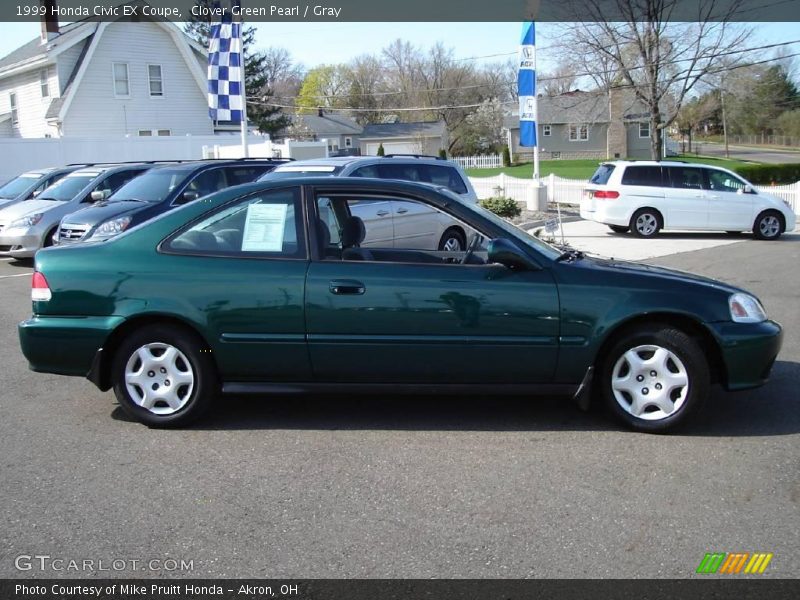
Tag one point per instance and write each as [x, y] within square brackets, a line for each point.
[381, 151]
[764, 174]
[506, 156]
[442, 153]
[502, 206]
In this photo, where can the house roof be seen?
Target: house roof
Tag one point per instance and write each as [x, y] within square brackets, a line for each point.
[581, 107]
[329, 124]
[404, 130]
[35, 48]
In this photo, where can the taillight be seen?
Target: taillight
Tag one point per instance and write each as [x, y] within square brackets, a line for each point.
[40, 291]
[606, 195]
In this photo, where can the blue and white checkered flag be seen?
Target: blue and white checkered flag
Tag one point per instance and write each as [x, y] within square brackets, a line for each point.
[526, 86]
[225, 94]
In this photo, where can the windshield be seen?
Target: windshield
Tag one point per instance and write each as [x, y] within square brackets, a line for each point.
[67, 188]
[16, 186]
[307, 171]
[154, 186]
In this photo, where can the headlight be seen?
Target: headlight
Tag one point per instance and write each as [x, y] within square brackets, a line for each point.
[28, 221]
[113, 227]
[746, 309]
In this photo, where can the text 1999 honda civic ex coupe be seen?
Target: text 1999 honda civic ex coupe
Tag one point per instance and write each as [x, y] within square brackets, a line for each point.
[265, 288]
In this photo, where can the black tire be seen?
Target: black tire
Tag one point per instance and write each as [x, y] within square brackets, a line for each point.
[733, 233]
[652, 217]
[453, 235]
[619, 228]
[692, 365]
[196, 357]
[48, 239]
[765, 228]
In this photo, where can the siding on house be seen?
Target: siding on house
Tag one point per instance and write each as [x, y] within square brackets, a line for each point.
[31, 107]
[637, 147]
[95, 111]
[66, 63]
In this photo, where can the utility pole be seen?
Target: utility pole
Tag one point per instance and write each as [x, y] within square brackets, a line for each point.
[724, 119]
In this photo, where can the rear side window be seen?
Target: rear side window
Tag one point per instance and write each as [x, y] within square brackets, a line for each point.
[602, 174]
[266, 225]
[238, 175]
[648, 176]
[687, 178]
[403, 172]
[447, 177]
[207, 182]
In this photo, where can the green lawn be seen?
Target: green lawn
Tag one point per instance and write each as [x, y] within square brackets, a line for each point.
[583, 169]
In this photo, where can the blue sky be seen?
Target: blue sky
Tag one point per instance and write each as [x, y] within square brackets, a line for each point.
[317, 43]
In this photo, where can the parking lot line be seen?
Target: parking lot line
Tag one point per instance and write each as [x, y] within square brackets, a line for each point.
[17, 275]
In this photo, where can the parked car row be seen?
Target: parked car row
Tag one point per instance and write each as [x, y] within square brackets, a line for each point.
[644, 197]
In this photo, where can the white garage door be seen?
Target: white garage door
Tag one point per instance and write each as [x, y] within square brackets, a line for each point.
[393, 148]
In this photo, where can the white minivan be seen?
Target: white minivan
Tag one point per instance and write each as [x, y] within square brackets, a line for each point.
[645, 197]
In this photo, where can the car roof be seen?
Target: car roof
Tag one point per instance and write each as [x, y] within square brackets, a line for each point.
[658, 163]
[342, 161]
[202, 164]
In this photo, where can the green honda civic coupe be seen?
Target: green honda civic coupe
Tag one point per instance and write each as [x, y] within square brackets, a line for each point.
[267, 288]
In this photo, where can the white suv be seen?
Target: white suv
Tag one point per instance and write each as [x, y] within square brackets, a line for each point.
[646, 196]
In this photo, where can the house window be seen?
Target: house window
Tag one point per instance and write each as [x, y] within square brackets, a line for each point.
[12, 100]
[122, 86]
[546, 130]
[145, 133]
[578, 133]
[348, 142]
[644, 130]
[155, 80]
[164, 133]
[44, 82]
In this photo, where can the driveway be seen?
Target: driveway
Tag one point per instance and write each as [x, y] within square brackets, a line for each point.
[597, 238]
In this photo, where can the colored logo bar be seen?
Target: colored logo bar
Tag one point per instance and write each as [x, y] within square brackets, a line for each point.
[735, 563]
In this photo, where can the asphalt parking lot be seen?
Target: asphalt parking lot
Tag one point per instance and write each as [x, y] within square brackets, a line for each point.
[406, 487]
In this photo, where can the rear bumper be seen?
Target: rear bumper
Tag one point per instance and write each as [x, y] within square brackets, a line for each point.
[748, 352]
[603, 211]
[64, 345]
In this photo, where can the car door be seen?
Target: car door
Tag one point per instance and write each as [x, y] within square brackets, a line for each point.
[407, 320]
[686, 200]
[377, 217]
[729, 207]
[243, 268]
[642, 187]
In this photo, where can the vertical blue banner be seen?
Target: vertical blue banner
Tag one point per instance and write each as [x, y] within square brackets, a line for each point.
[225, 64]
[526, 86]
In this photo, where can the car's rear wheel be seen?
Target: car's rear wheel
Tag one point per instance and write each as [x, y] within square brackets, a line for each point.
[619, 228]
[768, 226]
[646, 222]
[452, 241]
[654, 377]
[163, 376]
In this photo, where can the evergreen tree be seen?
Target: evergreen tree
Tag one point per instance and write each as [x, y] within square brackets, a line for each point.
[268, 119]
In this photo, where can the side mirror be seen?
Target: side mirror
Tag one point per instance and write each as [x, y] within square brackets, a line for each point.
[98, 195]
[36, 193]
[188, 197]
[506, 252]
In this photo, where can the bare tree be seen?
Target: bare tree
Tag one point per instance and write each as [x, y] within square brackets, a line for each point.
[561, 80]
[659, 59]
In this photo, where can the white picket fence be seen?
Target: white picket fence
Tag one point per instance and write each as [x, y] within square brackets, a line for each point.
[569, 191]
[479, 162]
[559, 189]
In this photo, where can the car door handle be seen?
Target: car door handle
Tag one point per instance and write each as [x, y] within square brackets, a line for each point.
[347, 286]
[382, 213]
[401, 211]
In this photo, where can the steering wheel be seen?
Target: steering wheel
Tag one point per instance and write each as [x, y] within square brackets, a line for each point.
[473, 245]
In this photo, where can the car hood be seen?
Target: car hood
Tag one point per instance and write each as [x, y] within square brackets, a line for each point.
[27, 207]
[103, 211]
[654, 271]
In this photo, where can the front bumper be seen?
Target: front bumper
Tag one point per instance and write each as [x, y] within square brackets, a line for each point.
[64, 345]
[19, 243]
[748, 352]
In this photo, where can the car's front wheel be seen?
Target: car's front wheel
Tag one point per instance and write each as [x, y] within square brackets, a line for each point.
[654, 377]
[646, 223]
[164, 376]
[619, 228]
[768, 226]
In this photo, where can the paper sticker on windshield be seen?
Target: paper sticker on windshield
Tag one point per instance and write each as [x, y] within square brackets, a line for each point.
[263, 230]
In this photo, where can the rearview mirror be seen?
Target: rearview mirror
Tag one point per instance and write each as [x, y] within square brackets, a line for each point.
[506, 252]
[98, 195]
[188, 197]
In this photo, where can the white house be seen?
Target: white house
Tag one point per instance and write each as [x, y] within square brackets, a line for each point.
[108, 79]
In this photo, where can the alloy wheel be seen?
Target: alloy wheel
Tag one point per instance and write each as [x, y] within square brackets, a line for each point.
[452, 244]
[646, 224]
[769, 226]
